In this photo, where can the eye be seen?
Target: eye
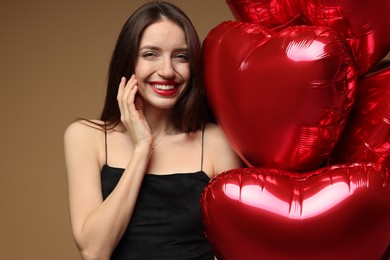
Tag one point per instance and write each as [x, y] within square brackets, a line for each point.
[182, 57]
[149, 55]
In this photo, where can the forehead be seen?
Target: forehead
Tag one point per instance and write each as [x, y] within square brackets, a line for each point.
[164, 33]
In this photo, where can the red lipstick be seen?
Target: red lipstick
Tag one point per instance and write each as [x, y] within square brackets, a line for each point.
[164, 88]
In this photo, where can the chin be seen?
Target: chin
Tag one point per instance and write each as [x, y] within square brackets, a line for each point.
[163, 104]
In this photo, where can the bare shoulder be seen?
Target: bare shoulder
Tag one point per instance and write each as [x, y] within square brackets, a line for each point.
[222, 156]
[83, 130]
[84, 137]
[215, 135]
[84, 146]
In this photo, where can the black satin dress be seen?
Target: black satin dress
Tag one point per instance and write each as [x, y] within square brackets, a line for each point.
[166, 221]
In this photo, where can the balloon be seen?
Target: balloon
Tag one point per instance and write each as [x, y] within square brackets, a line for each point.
[364, 24]
[272, 14]
[367, 136]
[338, 212]
[282, 99]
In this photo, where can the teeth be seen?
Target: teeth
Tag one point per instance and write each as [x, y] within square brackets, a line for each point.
[163, 87]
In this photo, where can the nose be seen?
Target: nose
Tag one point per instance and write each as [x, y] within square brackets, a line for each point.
[166, 70]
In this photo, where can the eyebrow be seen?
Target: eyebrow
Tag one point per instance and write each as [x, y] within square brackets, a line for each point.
[152, 47]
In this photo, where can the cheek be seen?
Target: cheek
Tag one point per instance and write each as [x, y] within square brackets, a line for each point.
[142, 73]
[141, 70]
[184, 71]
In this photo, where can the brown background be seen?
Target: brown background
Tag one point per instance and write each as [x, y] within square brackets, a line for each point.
[53, 62]
[53, 65]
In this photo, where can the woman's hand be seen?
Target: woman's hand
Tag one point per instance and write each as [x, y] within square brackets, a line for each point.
[132, 116]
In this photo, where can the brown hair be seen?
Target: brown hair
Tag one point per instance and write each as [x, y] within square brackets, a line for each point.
[190, 112]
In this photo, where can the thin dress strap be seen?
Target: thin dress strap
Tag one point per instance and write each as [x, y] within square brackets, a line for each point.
[201, 157]
[105, 139]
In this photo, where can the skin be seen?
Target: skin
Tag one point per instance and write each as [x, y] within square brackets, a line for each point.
[146, 120]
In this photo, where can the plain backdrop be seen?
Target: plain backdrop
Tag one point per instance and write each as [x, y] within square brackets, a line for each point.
[53, 65]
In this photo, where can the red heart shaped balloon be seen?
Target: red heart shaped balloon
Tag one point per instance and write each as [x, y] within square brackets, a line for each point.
[367, 136]
[339, 212]
[364, 24]
[275, 15]
[282, 99]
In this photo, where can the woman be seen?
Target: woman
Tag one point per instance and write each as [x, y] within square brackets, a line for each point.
[136, 175]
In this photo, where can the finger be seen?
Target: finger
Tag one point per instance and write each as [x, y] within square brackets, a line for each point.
[128, 90]
[139, 105]
[132, 94]
[131, 81]
[135, 105]
[122, 84]
[128, 100]
[120, 93]
[129, 86]
[123, 102]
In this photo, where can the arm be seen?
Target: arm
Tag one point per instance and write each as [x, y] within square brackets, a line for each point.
[98, 225]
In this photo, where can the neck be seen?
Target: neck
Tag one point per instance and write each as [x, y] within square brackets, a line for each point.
[159, 120]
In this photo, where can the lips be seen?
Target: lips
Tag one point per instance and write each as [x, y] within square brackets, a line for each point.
[164, 88]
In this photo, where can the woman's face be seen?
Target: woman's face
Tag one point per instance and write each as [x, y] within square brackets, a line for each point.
[162, 68]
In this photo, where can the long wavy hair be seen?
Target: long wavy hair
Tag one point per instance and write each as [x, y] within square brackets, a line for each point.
[191, 111]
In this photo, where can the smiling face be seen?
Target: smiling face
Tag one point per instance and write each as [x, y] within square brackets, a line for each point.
[162, 68]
